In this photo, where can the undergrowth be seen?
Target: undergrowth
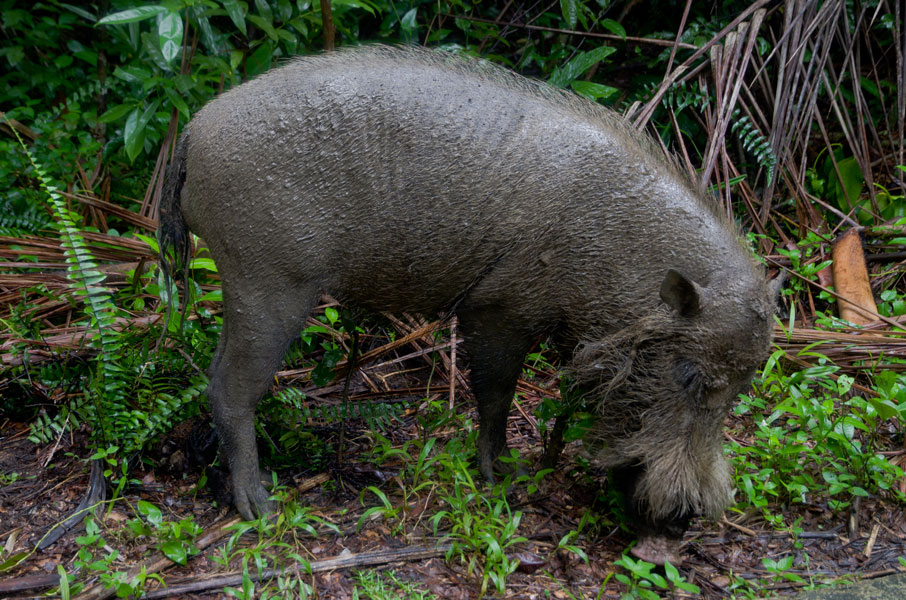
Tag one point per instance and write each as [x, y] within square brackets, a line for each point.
[817, 437]
[98, 93]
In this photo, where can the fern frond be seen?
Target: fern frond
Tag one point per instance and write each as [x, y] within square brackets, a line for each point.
[378, 415]
[754, 142]
[104, 401]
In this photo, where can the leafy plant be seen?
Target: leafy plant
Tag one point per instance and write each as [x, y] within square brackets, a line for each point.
[804, 260]
[754, 142]
[840, 179]
[817, 438]
[271, 551]
[95, 558]
[174, 540]
[482, 527]
[642, 580]
[387, 585]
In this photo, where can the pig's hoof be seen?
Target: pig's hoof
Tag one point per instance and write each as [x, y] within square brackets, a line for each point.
[486, 468]
[658, 550]
[253, 503]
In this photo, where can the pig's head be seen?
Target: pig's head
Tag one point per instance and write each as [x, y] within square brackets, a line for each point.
[663, 387]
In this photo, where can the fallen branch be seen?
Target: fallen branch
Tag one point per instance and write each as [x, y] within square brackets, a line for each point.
[363, 559]
[29, 582]
[215, 533]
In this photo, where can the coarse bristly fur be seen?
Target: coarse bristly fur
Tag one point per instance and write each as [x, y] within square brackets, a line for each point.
[471, 66]
[402, 179]
[663, 389]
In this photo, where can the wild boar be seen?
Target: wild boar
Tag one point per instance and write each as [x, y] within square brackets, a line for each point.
[401, 179]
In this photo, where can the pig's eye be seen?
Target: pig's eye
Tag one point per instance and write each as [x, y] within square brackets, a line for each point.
[689, 377]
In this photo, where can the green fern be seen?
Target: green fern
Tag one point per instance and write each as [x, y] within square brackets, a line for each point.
[122, 399]
[378, 415]
[86, 282]
[684, 96]
[87, 91]
[15, 223]
[754, 142]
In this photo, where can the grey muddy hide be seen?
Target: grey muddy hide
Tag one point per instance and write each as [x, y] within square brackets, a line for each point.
[410, 180]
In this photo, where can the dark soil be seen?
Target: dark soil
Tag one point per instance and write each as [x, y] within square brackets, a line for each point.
[43, 485]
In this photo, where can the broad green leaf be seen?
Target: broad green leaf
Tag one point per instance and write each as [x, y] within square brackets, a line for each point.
[291, 40]
[177, 101]
[175, 552]
[264, 9]
[79, 11]
[284, 10]
[134, 137]
[671, 571]
[657, 580]
[151, 512]
[265, 25]
[169, 33]
[408, 23]
[64, 582]
[13, 560]
[151, 45]
[212, 296]
[260, 60]
[132, 73]
[235, 59]
[570, 10]
[206, 264]
[851, 180]
[237, 11]
[579, 65]
[134, 132]
[870, 86]
[89, 56]
[613, 27]
[116, 113]
[299, 25]
[331, 314]
[886, 408]
[592, 90]
[356, 4]
[213, 43]
[14, 55]
[132, 15]
[151, 241]
[322, 374]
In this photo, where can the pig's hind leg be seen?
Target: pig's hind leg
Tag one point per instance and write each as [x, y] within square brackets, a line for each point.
[258, 327]
[496, 352]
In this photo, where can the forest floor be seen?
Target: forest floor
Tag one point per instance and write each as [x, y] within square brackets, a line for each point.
[43, 485]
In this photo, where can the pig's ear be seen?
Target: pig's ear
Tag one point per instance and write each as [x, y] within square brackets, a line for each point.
[682, 294]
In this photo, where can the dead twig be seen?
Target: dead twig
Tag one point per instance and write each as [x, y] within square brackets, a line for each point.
[363, 559]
